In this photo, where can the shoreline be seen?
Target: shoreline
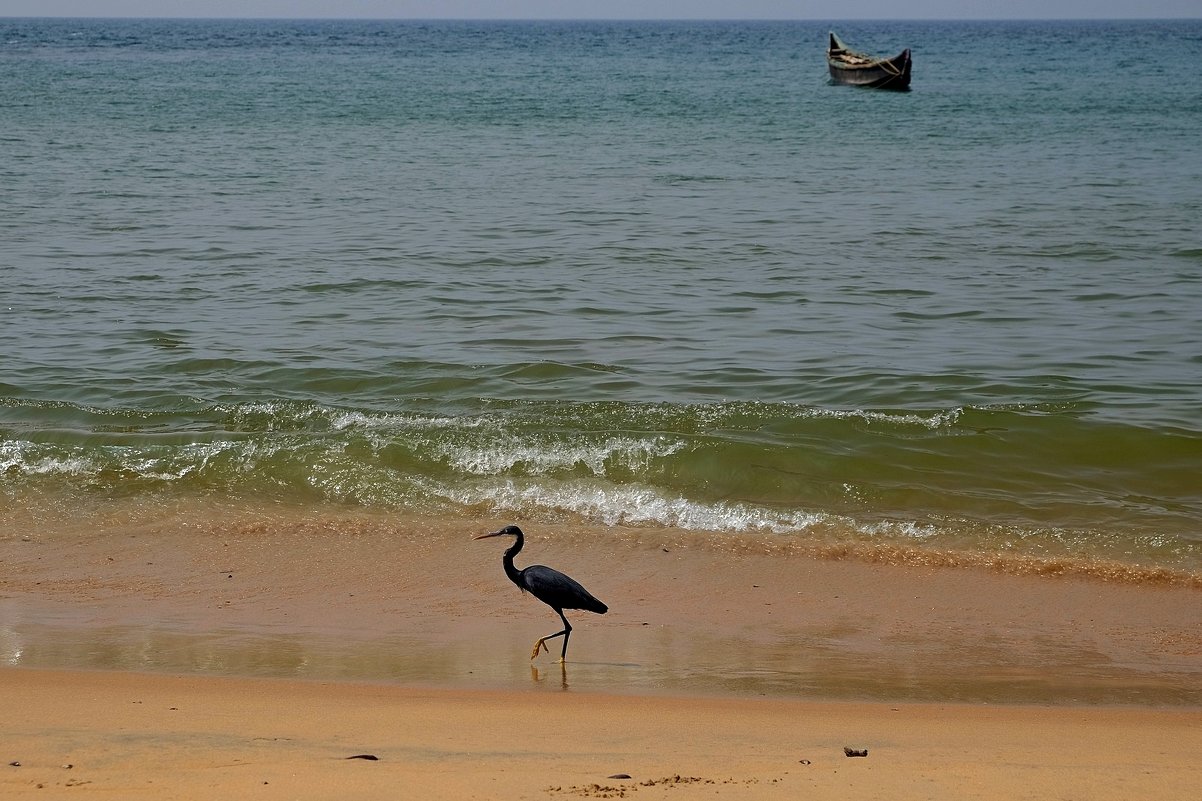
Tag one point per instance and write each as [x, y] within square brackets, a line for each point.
[189, 737]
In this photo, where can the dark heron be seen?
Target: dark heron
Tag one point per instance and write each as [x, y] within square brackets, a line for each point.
[553, 588]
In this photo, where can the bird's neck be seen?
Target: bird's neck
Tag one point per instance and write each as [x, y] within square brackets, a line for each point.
[514, 574]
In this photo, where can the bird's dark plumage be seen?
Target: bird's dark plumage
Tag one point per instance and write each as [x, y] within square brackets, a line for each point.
[557, 590]
[553, 588]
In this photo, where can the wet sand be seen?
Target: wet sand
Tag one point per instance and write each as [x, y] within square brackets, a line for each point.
[296, 594]
[210, 651]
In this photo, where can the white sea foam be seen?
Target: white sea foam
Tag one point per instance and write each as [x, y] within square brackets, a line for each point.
[342, 420]
[905, 529]
[25, 458]
[628, 506]
[539, 458]
[31, 459]
[932, 421]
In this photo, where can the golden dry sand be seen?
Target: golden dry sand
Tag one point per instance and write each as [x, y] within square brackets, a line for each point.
[130, 736]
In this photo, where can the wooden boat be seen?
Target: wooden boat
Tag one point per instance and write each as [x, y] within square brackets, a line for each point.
[857, 69]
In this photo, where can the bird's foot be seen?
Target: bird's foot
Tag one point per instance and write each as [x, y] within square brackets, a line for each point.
[542, 643]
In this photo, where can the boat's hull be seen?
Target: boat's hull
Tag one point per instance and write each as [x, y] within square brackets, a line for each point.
[850, 68]
[892, 73]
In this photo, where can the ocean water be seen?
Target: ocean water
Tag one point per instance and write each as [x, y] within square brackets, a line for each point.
[640, 274]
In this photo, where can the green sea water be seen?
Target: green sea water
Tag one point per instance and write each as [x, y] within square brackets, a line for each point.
[647, 274]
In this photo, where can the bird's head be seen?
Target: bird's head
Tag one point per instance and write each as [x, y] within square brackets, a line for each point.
[508, 531]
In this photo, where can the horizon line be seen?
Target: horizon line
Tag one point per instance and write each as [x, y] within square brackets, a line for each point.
[606, 19]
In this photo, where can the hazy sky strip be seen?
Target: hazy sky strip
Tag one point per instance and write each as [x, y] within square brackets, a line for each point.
[612, 9]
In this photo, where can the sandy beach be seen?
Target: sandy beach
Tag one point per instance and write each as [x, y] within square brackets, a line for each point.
[200, 653]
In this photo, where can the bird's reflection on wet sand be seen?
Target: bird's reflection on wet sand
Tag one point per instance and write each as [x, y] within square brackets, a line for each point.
[540, 678]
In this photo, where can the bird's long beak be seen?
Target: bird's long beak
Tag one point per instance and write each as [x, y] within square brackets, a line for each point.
[486, 536]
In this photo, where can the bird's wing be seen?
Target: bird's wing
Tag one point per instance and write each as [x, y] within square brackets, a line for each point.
[557, 590]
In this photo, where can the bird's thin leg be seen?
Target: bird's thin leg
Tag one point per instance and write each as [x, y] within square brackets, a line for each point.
[567, 632]
[542, 641]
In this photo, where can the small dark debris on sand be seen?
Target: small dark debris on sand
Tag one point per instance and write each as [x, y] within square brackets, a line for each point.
[626, 791]
[856, 752]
